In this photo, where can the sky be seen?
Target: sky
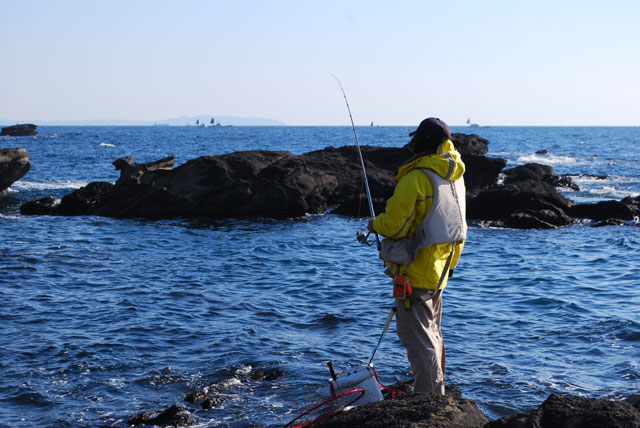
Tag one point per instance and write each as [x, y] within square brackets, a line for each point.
[510, 63]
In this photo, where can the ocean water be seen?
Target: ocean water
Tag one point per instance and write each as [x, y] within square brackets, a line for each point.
[101, 319]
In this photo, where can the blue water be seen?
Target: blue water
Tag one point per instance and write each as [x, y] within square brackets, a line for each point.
[102, 319]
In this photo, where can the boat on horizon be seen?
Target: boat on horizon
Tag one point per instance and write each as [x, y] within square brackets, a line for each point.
[471, 124]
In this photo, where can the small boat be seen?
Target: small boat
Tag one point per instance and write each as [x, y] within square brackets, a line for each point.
[471, 124]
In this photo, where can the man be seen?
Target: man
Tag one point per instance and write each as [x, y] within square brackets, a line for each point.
[425, 226]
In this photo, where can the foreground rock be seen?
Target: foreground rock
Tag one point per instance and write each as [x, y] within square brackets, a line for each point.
[568, 411]
[412, 410]
[282, 185]
[14, 164]
[174, 416]
[22, 130]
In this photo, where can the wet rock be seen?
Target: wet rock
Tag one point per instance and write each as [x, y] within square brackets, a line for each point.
[20, 130]
[527, 204]
[212, 401]
[567, 411]
[14, 164]
[143, 418]
[633, 203]
[263, 183]
[470, 144]
[175, 416]
[44, 206]
[267, 374]
[412, 410]
[527, 221]
[82, 201]
[282, 185]
[602, 211]
[197, 396]
[531, 172]
[206, 399]
[481, 173]
[608, 222]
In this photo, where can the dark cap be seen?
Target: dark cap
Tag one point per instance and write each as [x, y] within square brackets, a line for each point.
[432, 127]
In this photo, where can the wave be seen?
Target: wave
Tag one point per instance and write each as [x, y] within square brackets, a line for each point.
[546, 159]
[34, 185]
[609, 192]
[107, 145]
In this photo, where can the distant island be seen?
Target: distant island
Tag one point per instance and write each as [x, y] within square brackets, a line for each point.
[177, 121]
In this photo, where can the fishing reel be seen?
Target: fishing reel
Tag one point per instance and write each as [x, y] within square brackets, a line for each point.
[363, 238]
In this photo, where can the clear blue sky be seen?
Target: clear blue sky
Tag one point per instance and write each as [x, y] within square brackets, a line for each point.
[497, 62]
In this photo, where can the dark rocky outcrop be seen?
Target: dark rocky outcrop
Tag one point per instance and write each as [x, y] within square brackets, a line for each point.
[14, 164]
[44, 206]
[568, 411]
[278, 184]
[412, 410]
[602, 211]
[20, 130]
[83, 200]
[175, 416]
[415, 410]
[454, 411]
[261, 183]
[526, 199]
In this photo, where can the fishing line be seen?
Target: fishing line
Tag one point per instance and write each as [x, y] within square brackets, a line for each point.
[362, 240]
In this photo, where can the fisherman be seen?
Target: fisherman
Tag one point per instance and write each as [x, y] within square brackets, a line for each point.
[425, 226]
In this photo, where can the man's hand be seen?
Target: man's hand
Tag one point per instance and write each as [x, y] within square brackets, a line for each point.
[370, 226]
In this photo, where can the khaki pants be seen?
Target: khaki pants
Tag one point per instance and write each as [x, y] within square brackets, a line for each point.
[419, 332]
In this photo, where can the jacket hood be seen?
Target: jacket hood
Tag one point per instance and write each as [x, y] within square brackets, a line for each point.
[446, 162]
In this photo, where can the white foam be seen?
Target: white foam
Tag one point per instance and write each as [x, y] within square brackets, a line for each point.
[107, 145]
[547, 159]
[611, 192]
[33, 185]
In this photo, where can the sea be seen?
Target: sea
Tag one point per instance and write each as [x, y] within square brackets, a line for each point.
[102, 319]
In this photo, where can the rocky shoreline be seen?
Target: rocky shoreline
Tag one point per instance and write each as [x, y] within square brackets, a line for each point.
[278, 184]
[413, 410]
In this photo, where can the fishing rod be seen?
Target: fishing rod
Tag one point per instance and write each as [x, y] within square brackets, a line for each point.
[360, 236]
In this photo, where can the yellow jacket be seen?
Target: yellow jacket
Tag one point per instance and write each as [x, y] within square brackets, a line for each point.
[410, 203]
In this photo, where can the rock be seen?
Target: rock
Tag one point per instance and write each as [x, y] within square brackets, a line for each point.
[175, 416]
[267, 374]
[44, 206]
[602, 211]
[21, 130]
[206, 399]
[282, 185]
[531, 172]
[481, 173]
[412, 410]
[608, 222]
[567, 411]
[523, 205]
[14, 164]
[262, 183]
[143, 418]
[212, 401]
[197, 396]
[470, 144]
[83, 200]
[633, 203]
